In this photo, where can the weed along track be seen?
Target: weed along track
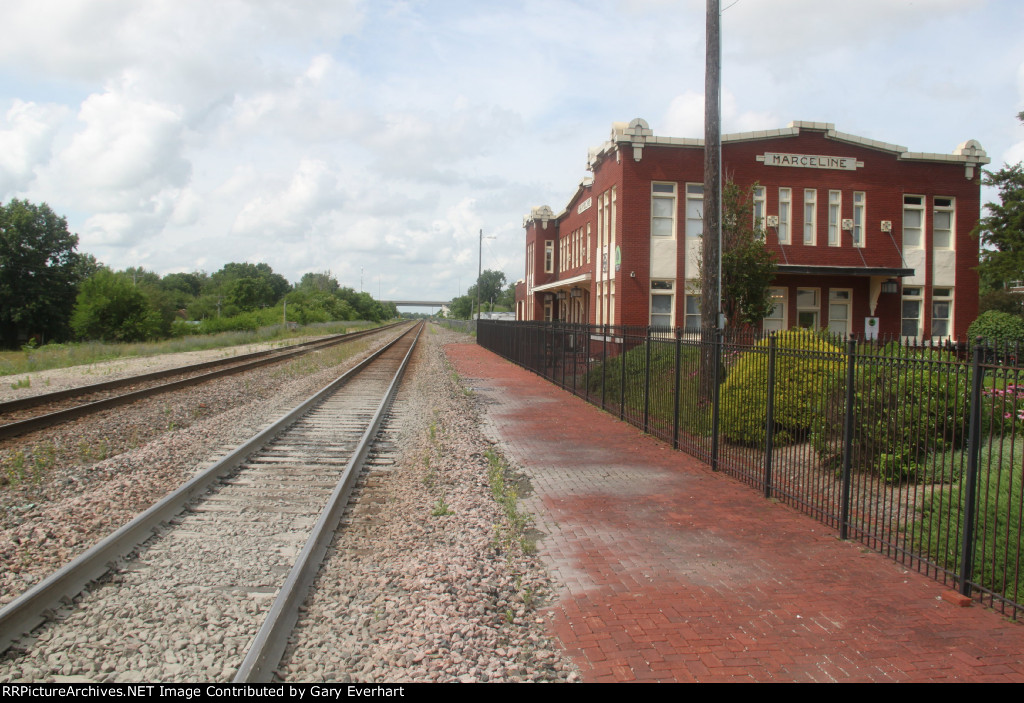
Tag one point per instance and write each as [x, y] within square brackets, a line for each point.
[189, 603]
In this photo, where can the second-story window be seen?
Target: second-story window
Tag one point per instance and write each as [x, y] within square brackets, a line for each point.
[810, 217]
[759, 211]
[694, 208]
[549, 256]
[859, 217]
[913, 224]
[785, 213]
[942, 223]
[835, 206]
[663, 209]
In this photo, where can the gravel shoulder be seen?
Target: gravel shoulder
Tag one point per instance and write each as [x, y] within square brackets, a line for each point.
[430, 581]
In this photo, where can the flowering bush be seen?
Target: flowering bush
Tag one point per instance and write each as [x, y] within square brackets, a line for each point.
[1002, 409]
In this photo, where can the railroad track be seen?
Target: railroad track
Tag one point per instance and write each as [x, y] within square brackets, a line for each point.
[23, 415]
[194, 597]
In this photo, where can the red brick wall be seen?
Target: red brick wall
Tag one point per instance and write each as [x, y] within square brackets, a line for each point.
[883, 178]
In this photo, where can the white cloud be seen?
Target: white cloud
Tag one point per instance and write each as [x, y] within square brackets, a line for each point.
[290, 214]
[387, 134]
[685, 117]
[26, 138]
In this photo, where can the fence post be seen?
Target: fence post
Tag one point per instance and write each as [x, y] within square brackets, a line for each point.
[844, 506]
[622, 379]
[717, 349]
[973, 449]
[565, 350]
[575, 357]
[769, 421]
[675, 400]
[604, 363]
[647, 379]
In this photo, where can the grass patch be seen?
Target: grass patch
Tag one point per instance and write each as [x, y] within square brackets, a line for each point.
[998, 530]
[506, 495]
[55, 356]
[23, 383]
[441, 508]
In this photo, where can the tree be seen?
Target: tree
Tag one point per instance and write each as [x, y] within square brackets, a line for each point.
[324, 282]
[111, 308]
[269, 288]
[39, 272]
[1001, 231]
[507, 298]
[748, 267]
[461, 308]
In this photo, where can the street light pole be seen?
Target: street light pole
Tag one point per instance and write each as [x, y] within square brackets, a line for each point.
[479, 272]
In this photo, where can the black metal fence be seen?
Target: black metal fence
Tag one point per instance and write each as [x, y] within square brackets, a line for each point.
[918, 452]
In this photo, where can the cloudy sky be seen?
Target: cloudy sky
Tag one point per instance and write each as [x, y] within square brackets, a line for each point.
[381, 136]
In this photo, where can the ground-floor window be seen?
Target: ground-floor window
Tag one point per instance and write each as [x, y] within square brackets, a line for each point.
[942, 312]
[661, 304]
[775, 321]
[692, 312]
[911, 312]
[808, 308]
[839, 300]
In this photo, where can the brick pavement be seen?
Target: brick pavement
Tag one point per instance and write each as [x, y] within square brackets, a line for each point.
[672, 572]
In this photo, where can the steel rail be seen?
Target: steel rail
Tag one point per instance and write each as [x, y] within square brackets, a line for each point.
[269, 357]
[31, 608]
[270, 642]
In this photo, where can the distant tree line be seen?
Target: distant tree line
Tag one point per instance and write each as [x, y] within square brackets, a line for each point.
[49, 292]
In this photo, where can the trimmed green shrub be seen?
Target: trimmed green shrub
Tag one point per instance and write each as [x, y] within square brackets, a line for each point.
[806, 365]
[999, 328]
[910, 405]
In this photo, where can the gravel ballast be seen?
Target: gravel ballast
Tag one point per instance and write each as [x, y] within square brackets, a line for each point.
[430, 580]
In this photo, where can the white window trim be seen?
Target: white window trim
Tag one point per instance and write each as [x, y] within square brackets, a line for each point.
[785, 216]
[924, 221]
[783, 301]
[859, 234]
[700, 213]
[837, 225]
[549, 256]
[816, 308]
[675, 208]
[760, 204]
[918, 297]
[663, 292]
[811, 224]
[949, 320]
[691, 293]
[951, 209]
[848, 303]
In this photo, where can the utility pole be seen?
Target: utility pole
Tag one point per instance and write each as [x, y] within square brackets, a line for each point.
[479, 272]
[711, 265]
[711, 273]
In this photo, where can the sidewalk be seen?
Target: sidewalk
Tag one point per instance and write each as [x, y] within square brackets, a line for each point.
[674, 573]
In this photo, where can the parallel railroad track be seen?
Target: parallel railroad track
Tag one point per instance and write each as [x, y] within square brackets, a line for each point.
[23, 415]
[196, 594]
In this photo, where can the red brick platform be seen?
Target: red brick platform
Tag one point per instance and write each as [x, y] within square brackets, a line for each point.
[674, 573]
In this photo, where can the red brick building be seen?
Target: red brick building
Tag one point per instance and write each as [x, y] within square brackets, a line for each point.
[869, 238]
